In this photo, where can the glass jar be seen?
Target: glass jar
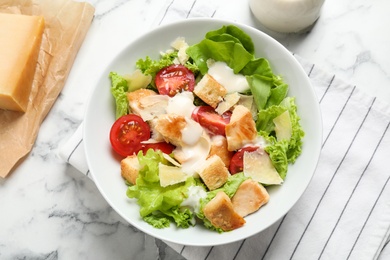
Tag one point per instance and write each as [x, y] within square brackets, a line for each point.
[286, 16]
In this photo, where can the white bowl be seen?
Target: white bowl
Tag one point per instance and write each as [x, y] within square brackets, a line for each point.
[104, 164]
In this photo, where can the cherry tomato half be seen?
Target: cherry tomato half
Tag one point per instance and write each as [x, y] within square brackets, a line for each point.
[237, 161]
[173, 79]
[162, 146]
[207, 117]
[127, 133]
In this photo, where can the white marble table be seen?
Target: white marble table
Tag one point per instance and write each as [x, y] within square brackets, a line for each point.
[51, 211]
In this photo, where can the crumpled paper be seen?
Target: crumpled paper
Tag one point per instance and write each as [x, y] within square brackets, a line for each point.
[66, 24]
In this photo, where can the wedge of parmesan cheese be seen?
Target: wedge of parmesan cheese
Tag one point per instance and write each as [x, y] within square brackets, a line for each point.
[259, 167]
[229, 101]
[138, 80]
[20, 41]
[283, 126]
[181, 45]
[170, 175]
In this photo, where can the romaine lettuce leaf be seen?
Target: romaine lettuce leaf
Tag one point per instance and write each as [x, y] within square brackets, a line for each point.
[260, 77]
[228, 44]
[260, 90]
[235, 32]
[230, 52]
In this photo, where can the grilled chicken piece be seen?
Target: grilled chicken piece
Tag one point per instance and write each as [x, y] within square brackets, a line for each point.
[249, 197]
[220, 212]
[134, 98]
[219, 147]
[170, 126]
[241, 128]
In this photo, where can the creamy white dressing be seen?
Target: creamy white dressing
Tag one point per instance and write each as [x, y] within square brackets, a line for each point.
[259, 141]
[195, 193]
[218, 140]
[191, 132]
[193, 156]
[225, 76]
[181, 104]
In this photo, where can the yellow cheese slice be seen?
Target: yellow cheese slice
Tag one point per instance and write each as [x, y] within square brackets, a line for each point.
[259, 167]
[20, 40]
[170, 175]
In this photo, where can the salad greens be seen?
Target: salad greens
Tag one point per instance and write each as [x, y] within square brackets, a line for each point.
[119, 88]
[160, 205]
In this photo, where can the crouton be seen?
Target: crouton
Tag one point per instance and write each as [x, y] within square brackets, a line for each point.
[220, 212]
[214, 172]
[249, 197]
[210, 91]
[130, 168]
[219, 147]
[241, 129]
[170, 126]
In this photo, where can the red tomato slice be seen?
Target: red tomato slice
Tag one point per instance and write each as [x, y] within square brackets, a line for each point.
[173, 79]
[127, 133]
[207, 117]
[237, 161]
[162, 146]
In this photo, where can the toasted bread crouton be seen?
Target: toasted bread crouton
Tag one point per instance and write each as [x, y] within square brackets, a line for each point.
[214, 172]
[249, 197]
[219, 147]
[220, 212]
[210, 91]
[241, 128]
[170, 126]
[130, 168]
[135, 96]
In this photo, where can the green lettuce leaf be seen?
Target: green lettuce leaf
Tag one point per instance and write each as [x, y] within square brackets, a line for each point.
[260, 89]
[260, 78]
[285, 151]
[265, 118]
[277, 153]
[236, 33]
[151, 67]
[119, 88]
[228, 44]
[295, 143]
[156, 202]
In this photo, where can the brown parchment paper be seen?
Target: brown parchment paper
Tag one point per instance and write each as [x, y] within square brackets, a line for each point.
[66, 24]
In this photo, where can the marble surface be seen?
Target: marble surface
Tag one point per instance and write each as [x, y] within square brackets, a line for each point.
[51, 211]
